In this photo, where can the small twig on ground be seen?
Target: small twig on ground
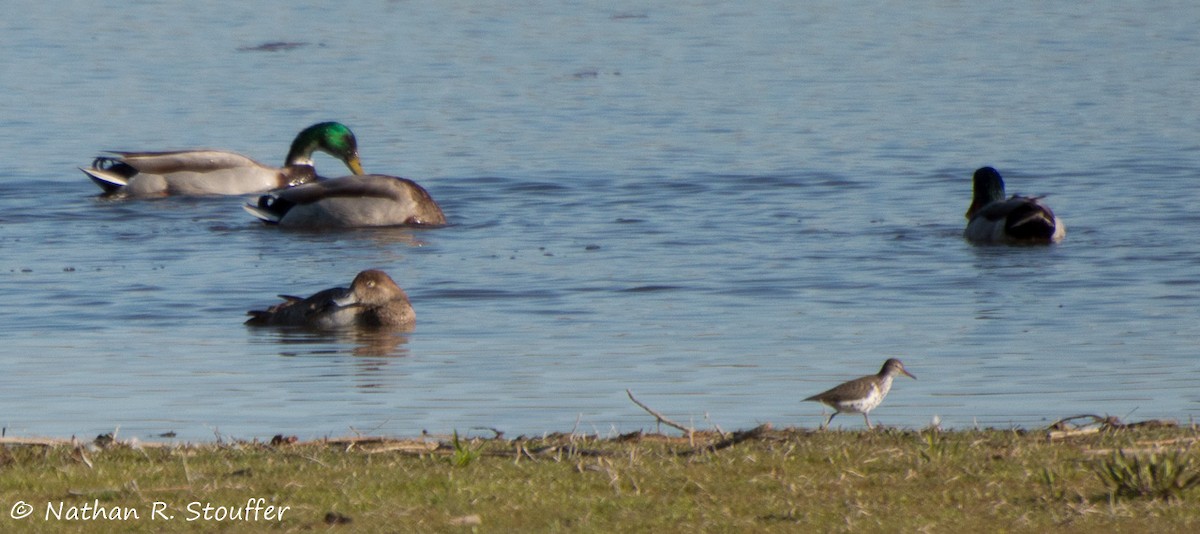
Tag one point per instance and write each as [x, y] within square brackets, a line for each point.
[660, 417]
[737, 437]
[81, 455]
[569, 450]
[1068, 423]
[1065, 428]
[1068, 427]
[715, 425]
[187, 473]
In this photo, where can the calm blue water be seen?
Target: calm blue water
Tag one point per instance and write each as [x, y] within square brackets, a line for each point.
[724, 208]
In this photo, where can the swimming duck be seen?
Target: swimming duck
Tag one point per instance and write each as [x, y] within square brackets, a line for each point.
[373, 300]
[348, 202]
[218, 172]
[1017, 219]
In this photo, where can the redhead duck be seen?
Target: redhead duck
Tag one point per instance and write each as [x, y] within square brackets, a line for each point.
[373, 300]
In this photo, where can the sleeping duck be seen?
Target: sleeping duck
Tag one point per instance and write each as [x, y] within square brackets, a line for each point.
[1016, 219]
[373, 300]
[217, 172]
[349, 202]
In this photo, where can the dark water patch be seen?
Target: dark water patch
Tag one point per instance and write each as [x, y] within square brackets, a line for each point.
[727, 183]
[141, 288]
[274, 46]
[545, 188]
[1140, 167]
[1182, 282]
[654, 190]
[472, 182]
[762, 290]
[561, 313]
[652, 289]
[585, 74]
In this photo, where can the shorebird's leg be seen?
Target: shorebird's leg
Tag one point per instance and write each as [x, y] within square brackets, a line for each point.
[827, 420]
[868, 420]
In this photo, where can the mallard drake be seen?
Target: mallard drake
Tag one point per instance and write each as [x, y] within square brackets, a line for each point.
[861, 395]
[991, 218]
[348, 202]
[373, 300]
[217, 172]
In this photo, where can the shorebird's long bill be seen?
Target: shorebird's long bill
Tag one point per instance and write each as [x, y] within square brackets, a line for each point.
[908, 374]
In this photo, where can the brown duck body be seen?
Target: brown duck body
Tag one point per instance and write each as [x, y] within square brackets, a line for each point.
[373, 301]
[349, 202]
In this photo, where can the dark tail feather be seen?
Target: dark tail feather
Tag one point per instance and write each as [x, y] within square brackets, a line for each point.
[269, 209]
[258, 317]
[111, 174]
[1031, 221]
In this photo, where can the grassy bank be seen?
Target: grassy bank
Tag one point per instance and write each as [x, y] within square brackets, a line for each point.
[758, 481]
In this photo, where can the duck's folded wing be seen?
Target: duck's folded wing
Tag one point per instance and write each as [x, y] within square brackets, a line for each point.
[1002, 208]
[364, 186]
[296, 311]
[185, 160]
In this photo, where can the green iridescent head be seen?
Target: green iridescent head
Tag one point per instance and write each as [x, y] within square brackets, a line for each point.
[333, 138]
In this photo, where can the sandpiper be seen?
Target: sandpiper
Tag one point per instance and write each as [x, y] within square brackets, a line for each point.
[861, 395]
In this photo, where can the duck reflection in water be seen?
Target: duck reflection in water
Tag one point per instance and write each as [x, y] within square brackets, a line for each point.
[304, 342]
